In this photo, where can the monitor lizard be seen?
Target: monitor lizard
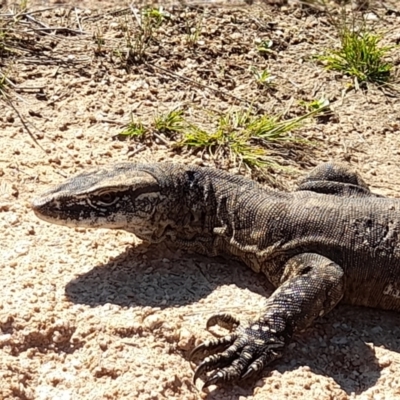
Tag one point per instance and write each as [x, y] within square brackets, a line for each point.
[330, 240]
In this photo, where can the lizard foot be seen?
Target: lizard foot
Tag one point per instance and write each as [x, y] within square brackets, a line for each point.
[241, 355]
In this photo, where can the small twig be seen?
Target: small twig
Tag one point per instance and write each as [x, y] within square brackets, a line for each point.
[28, 88]
[136, 151]
[166, 142]
[390, 9]
[30, 18]
[219, 91]
[110, 121]
[134, 12]
[288, 107]
[10, 83]
[53, 61]
[294, 84]
[78, 20]
[40, 10]
[56, 29]
[316, 88]
[50, 103]
[115, 13]
[10, 103]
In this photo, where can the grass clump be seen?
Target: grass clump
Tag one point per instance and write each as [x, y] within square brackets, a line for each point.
[230, 138]
[244, 137]
[240, 135]
[171, 122]
[134, 129]
[138, 40]
[360, 55]
[263, 77]
[155, 16]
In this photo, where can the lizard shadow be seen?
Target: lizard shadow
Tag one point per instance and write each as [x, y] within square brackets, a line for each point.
[156, 276]
[337, 346]
[341, 346]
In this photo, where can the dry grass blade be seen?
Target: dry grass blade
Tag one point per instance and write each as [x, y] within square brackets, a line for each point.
[13, 43]
[5, 83]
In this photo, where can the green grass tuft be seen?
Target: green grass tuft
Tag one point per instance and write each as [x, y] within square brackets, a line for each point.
[155, 16]
[360, 55]
[240, 136]
[171, 122]
[265, 46]
[244, 137]
[134, 129]
[315, 105]
[263, 77]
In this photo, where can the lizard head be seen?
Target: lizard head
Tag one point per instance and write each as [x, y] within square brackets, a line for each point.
[121, 196]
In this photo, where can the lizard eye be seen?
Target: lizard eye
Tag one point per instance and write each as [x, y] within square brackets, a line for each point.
[105, 199]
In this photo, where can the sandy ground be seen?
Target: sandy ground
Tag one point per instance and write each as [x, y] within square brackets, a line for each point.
[94, 314]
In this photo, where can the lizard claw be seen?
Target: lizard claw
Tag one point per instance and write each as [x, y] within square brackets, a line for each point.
[238, 356]
[258, 365]
[226, 321]
[212, 346]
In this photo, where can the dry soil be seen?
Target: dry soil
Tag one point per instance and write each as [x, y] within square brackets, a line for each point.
[95, 314]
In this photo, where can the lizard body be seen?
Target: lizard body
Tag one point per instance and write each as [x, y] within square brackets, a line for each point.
[329, 240]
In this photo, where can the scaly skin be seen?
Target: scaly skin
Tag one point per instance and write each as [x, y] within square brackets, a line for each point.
[331, 239]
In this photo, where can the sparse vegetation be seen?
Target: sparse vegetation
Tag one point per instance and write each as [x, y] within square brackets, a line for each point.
[155, 15]
[3, 45]
[263, 77]
[231, 138]
[360, 54]
[134, 129]
[314, 105]
[3, 84]
[99, 41]
[194, 30]
[171, 122]
[245, 137]
[6, 39]
[265, 46]
[240, 135]
[138, 39]
[199, 86]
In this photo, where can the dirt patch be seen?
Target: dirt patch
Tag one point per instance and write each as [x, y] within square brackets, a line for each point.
[95, 314]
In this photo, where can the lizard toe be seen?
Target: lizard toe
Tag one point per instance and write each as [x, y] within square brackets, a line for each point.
[225, 375]
[209, 364]
[212, 346]
[228, 373]
[243, 354]
[258, 365]
[226, 321]
[217, 361]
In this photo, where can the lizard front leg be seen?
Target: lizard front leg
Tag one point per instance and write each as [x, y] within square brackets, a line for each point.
[311, 286]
